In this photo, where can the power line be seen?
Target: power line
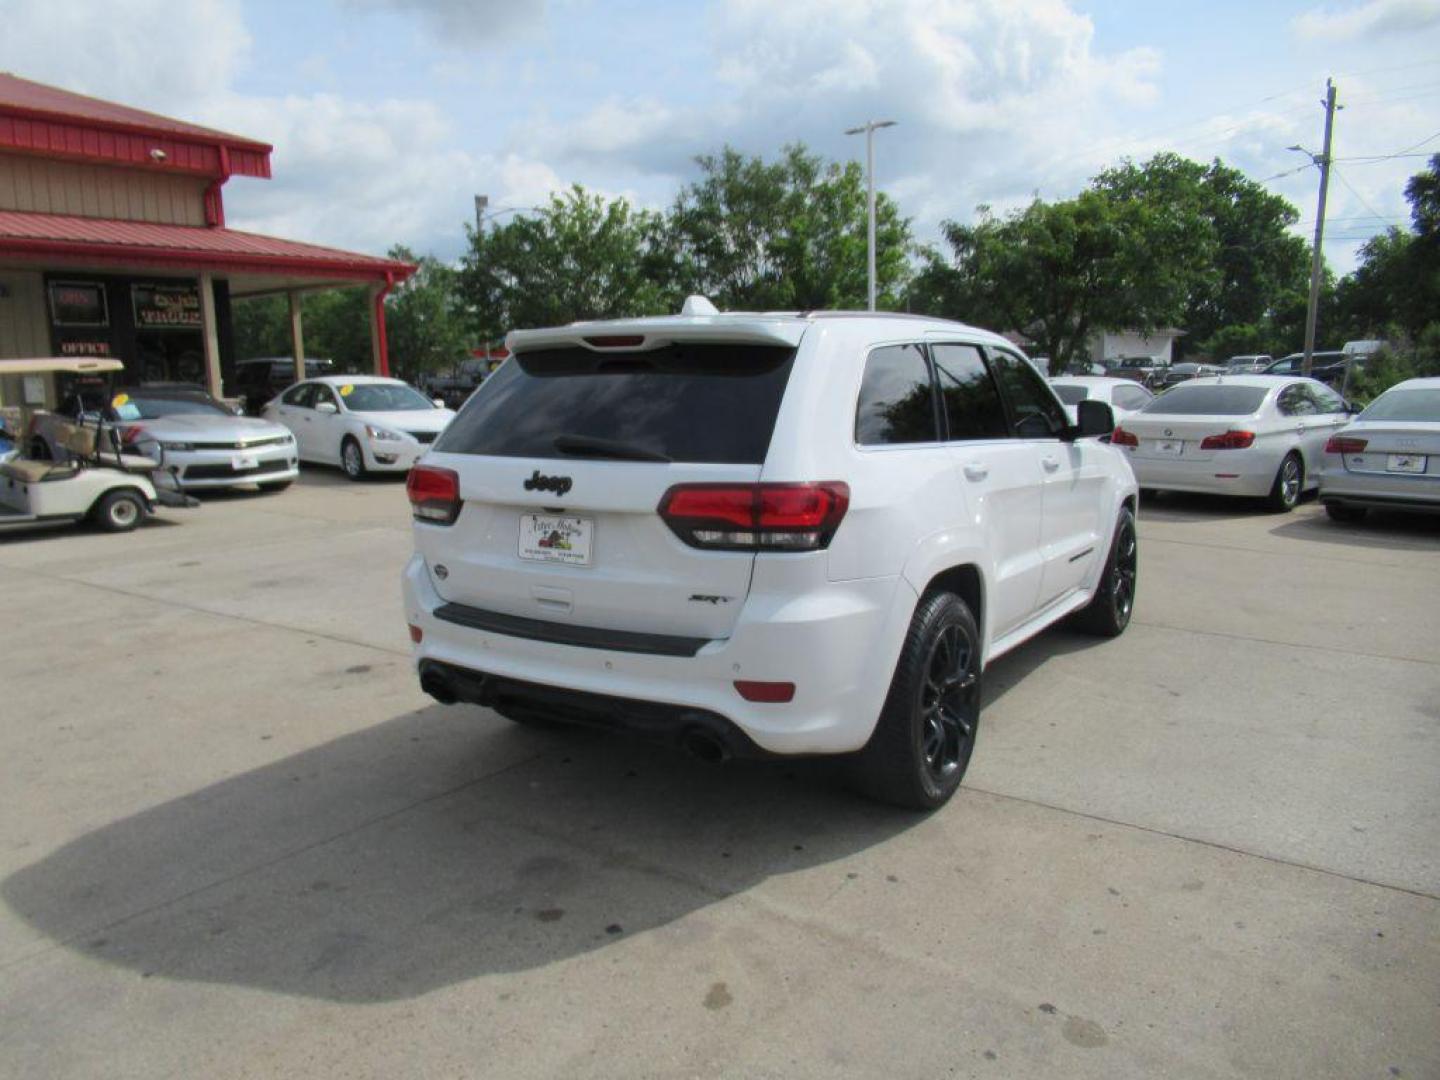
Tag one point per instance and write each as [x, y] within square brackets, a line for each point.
[1402, 67]
[1373, 212]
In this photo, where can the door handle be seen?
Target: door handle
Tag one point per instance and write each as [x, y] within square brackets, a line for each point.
[976, 471]
[1050, 463]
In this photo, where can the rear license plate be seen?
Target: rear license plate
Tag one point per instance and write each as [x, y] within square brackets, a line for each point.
[555, 538]
[1169, 447]
[241, 462]
[1405, 463]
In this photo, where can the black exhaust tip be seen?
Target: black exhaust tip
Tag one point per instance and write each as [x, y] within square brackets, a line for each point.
[705, 746]
[438, 688]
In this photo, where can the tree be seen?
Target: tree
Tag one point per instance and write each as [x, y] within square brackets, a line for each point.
[1059, 271]
[581, 257]
[786, 235]
[1248, 265]
[424, 318]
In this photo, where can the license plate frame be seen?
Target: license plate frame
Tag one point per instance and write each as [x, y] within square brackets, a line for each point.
[565, 539]
[1406, 463]
[1168, 447]
[244, 462]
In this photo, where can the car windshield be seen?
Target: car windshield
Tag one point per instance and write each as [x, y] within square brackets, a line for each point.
[1208, 400]
[383, 397]
[1069, 393]
[1419, 405]
[138, 406]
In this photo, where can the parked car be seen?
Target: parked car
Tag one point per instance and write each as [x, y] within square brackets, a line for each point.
[763, 534]
[1124, 396]
[1328, 366]
[1248, 363]
[204, 443]
[1149, 371]
[1185, 371]
[260, 379]
[1388, 456]
[363, 423]
[1249, 435]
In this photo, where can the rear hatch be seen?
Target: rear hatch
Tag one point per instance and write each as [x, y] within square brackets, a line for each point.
[563, 458]
[1176, 424]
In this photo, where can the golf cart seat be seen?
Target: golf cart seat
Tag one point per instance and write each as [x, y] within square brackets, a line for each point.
[35, 472]
[80, 443]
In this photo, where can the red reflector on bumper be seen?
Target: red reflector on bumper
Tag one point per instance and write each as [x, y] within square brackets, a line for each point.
[774, 693]
[416, 634]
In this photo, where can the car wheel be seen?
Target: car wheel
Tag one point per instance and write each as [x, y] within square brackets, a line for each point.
[119, 511]
[1109, 610]
[352, 458]
[1347, 514]
[1289, 479]
[923, 740]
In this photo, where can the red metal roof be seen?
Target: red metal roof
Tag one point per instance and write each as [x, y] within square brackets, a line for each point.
[183, 246]
[45, 119]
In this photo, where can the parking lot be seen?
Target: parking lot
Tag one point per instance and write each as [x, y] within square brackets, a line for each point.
[238, 841]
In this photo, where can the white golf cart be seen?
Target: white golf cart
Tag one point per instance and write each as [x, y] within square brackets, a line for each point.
[94, 479]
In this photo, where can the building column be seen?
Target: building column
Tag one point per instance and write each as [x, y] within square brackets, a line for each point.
[379, 347]
[210, 335]
[297, 335]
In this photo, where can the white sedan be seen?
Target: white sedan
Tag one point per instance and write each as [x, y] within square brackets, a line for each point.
[363, 423]
[1250, 435]
[1389, 457]
[1124, 396]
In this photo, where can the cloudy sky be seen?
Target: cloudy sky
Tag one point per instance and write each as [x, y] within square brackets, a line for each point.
[388, 116]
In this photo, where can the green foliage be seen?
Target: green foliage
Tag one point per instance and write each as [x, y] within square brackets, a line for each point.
[581, 257]
[785, 235]
[336, 325]
[424, 321]
[1384, 369]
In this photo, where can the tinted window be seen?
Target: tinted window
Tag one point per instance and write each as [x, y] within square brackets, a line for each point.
[324, 393]
[897, 399]
[1417, 406]
[1326, 400]
[385, 397]
[299, 395]
[1131, 397]
[154, 408]
[1296, 401]
[1069, 393]
[1208, 400]
[968, 394]
[687, 402]
[1034, 412]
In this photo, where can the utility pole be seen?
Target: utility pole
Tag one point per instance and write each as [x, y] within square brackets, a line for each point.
[869, 128]
[1316, 260]
[481, 202]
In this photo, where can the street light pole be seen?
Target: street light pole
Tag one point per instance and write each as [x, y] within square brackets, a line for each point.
[1321, 159]
[869, 128]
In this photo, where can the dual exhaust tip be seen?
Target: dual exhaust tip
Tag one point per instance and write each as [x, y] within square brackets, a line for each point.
[695, 739]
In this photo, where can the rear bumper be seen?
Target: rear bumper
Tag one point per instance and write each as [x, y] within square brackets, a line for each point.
[1236, 472]
[1338, 485]
[837, 643]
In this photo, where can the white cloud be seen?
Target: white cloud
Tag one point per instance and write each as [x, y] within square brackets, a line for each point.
[1371, 19]
[463, 23]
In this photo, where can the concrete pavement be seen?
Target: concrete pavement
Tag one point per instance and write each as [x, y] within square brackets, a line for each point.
[235, 839]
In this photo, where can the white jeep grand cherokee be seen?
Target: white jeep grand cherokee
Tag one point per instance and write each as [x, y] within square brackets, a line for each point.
[763, 534]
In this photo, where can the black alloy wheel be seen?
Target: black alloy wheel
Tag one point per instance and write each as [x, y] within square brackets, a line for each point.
[948, 704]
[1109, 610]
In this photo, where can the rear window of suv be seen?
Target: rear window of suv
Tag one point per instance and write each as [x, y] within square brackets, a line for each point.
[698, 403]
[1209, 400]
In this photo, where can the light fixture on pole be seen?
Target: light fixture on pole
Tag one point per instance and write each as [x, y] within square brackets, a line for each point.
[869, 128]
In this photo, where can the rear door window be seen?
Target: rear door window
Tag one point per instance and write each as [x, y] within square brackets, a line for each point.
[1034, 412]
[967, 391]
[299, 396]
[696, 403]
[897, 398]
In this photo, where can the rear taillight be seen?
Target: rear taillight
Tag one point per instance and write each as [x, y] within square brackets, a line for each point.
[1121, 437]
[1345, 444]
[434, 494]
[756, 517]
[1229, 440]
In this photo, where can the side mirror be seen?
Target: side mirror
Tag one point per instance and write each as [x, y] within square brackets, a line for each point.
[326, 407]
[1093, 419]
[439, 403]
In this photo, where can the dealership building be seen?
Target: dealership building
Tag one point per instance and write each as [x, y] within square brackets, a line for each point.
[113, 243]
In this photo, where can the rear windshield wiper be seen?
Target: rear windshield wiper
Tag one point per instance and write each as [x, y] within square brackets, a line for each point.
[589, 446]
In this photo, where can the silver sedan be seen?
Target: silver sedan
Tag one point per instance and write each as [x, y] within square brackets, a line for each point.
[1389, 457]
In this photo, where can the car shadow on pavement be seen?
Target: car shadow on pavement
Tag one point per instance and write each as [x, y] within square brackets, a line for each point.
[1192, 506]
[1387, 529]
[434, 848]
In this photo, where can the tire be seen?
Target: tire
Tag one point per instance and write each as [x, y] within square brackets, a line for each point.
[1289, 481]
[275, 485]
[922, 742]
[1349, 515]
[352, 458]
[1109, 611]
[119, 511]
